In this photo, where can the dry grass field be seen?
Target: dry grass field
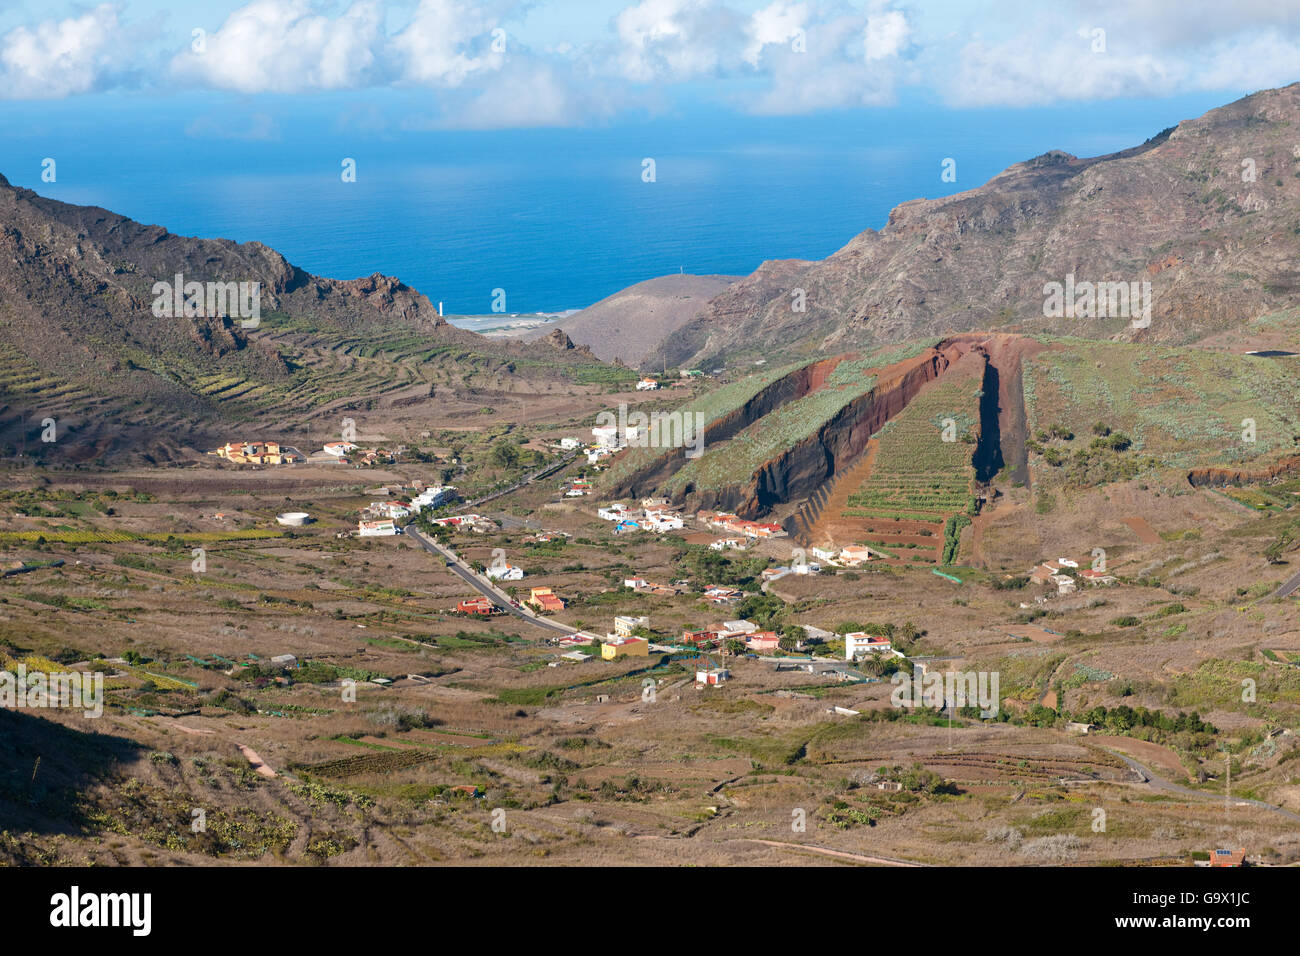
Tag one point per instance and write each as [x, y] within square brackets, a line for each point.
[480, 751]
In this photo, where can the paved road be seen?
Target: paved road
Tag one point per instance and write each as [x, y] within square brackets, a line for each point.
[1288, 586]
[496, 596]
[1160, 783]
[528, 480]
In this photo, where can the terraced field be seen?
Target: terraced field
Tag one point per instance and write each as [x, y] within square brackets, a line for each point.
[918, 481]
[735, 460]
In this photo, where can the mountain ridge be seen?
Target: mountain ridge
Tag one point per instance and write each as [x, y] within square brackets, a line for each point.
[1177, 211]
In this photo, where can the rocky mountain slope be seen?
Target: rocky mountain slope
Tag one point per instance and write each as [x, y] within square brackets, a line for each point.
[628, 324]
[1208, 213]
[81, 341]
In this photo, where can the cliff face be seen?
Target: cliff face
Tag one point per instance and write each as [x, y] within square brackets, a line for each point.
[808, 464]
[785, 389]
[1215, 238]
[1218, 477]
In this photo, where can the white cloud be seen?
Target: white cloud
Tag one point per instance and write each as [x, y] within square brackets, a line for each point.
[58, 58]
[282, 46]
[886, 35]
[777, 23]
[526, 94]
[849, 53]
[1151, 49]
[835, 72]
[448, 41]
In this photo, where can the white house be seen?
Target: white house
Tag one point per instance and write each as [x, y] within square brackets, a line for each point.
[858, 643]
[662, 521]
[614, 512]
[625, 624]
[728, 544]
[647, 385]
[338, 448]
[606, 436]
[506, 572]
[434, 497]
[739, 627]
[376, 529]
[568, 444]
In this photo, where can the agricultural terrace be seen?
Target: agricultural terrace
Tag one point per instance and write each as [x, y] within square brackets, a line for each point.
[918, 481]
[713, 406]
[1181, 405]
[735, 461]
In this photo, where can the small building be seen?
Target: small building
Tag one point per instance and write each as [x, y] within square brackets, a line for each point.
[569, 444]
[647, 385]
[478, 605]
[858, 643]
[544, 600]
[1097, 578]
[1077, 727]
[1228, 857]
[661, 521]
[763, 641]
[721, 595]
[338, 448]
[376, 529]
[739, 627]
[504, 572]
[625, 647]
[284, 660]
[625, 624]
[855, 555]
[712, 676]
[728, 544]
[699, 637]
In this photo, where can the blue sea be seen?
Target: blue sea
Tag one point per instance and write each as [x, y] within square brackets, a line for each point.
[556, 218]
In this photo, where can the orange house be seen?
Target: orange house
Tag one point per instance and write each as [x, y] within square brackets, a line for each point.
[544, 600]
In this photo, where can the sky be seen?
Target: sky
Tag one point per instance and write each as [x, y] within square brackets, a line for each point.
[500, 143]
[513, 64]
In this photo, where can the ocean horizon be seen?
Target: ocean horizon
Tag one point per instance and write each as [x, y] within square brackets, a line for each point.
[556, 218]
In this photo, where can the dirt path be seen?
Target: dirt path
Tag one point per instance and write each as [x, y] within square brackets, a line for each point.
[839, 854]
[257, 763]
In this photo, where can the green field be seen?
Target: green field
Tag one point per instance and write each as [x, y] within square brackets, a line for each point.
[1181, 405]
[917, 476]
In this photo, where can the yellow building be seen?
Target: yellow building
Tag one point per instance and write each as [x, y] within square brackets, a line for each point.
[629, 646]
